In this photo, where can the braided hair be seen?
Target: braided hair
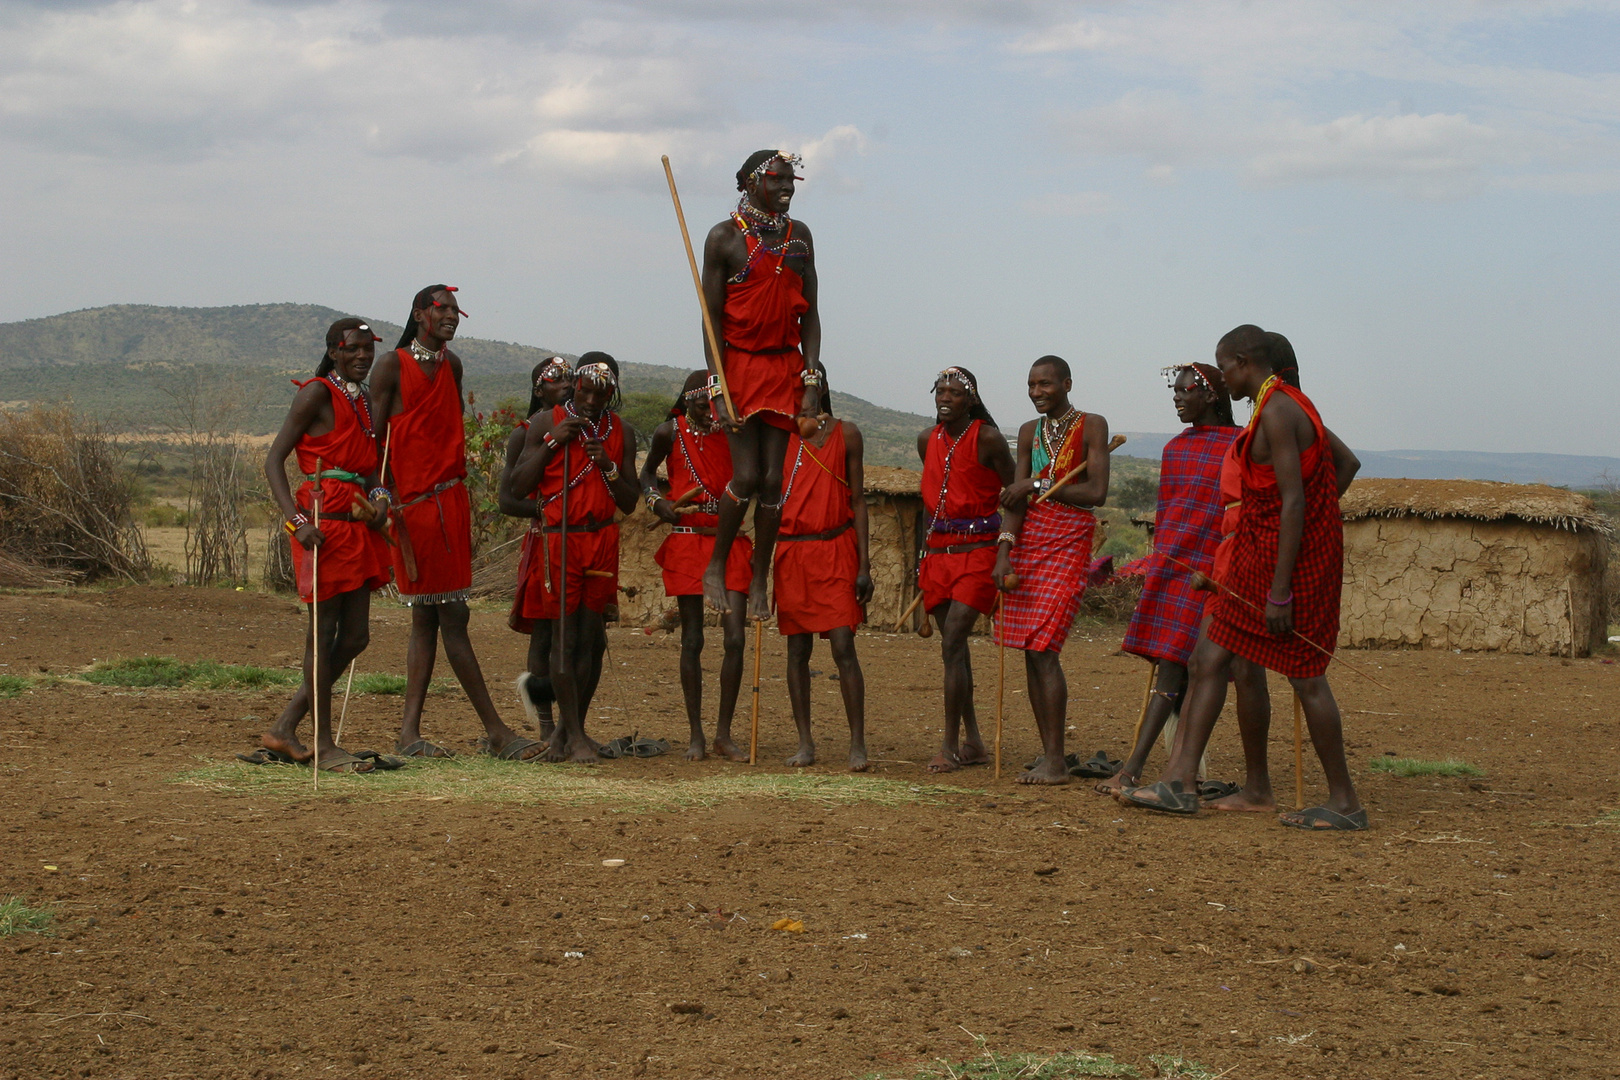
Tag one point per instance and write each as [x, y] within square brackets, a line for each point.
[586, 359]
[422, 300]
[334, 337]
[1284, 364]
[976, 411]
[755, 160]
[695, 381]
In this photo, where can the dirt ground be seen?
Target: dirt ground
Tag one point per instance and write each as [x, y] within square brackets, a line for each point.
[209, 934]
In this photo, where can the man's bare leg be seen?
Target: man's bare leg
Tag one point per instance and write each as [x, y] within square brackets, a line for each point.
[773, 444]
[540, 668]
[345, 634]
[420, 654]
[1200, 708]
[799, 648]
[568, 674]
[1327, 736]
[588, 671]
[1168, 688]
[1254, 727]
[852, 685]
[733, 640]
[955, 621]
[453, 617]
[746, 470]
[1049, 698]
[691, 609]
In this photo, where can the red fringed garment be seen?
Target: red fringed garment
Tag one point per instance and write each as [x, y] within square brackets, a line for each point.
[593, 538]
[962, 498]
[702, 462]
[1318, 570]
[1186, 527]
[428, 461]
[1051, 559]
[760, 333]
[815, 578]
[354, 555]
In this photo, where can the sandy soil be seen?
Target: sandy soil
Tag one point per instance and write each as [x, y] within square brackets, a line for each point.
[212, 935]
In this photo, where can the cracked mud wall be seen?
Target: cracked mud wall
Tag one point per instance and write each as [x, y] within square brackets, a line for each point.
[1455, 583]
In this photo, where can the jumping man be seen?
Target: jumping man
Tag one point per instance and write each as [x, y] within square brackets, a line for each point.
[966, 463]
[697, 456]
[419, 408]
[1048, 547]
[759, 282]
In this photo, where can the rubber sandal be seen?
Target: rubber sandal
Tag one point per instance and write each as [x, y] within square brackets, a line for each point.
[1171, 797]
[1098, 767]
[512, 751]
[346, 764]
[630, 746]
[421, 748]
[382, 762]
[1323, 819]
[266, 756]
[1217, 789]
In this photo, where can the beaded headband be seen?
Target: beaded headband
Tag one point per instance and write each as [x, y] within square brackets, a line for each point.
[792, 161]
[427, 295]
[1173, 372]
[595, 375]
[960, 376]
[707, 392]
[361, 327]
[555, 370]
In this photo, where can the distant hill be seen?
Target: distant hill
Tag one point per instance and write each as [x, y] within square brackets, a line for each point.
[125, 363]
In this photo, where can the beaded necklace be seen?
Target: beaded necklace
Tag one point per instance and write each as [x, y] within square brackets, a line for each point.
[945, 481]
[1261, 395]
[423, 354]
[356, 398]
[761, 219]
[1053, 432]
[710, 499]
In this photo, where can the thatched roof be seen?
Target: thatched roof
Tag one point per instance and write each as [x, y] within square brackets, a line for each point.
[886, 480]
[1476, 500]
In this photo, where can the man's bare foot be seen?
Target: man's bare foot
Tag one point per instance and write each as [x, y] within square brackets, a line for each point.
[857, 758]
[696, 751]
[728, 749]
[759, 597]
[557, 746]
[582, 750]
[1243, 802]
[714, 587]
[972, 753]
[943, 762]
[1048, 770]
[287, 744]
[805, 756]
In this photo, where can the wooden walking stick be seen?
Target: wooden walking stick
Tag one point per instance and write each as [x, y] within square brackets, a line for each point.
[1147, 699]
[338, 738]
[1077, 472]
[899, 624]
[753, 726]
[703, 303]
[315, 630]
[562, 591]
[1299, 754]
[1001, 678]
[680, 507]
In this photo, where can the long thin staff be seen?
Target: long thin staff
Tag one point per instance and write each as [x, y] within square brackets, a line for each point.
[901, 621]
[1204, 583]
[680, 507]
[562, 586]
[338, 738]
[703, 303]
[1001, 679]
[315, 629]
[1078, 471]
[753, 726]
[1147, 699]
[1299, 754]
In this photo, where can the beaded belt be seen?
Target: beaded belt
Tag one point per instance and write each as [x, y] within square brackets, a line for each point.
[991, 523]
[958, 549]
[697, 530]
[588, 527]
[828, 535]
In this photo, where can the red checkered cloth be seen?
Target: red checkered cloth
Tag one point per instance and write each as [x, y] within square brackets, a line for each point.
[1051, 559]
[1318, 570]
[1187, 527]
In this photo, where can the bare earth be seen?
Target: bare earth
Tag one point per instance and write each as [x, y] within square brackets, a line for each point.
[204, 934]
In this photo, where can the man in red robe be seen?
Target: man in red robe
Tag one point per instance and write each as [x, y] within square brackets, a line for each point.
[1278, 604]
[697, 456]
[966, 463]
[759, 282]
[823, 572]
[417, 389]
[1046, 548]
[578, 463]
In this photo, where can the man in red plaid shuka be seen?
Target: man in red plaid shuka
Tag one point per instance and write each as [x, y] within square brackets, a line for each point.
[1047, 545]
[1279, 602]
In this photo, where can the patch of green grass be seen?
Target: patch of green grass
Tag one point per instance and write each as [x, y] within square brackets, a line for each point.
[1411, 766]
[994, 1066]
[478, 778]
[12, 685]
[166, 671]
[379, 682]
[1176, 1067]
[17, 917]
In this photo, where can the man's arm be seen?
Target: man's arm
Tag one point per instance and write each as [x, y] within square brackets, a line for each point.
[810, 321]
[663, 441]
[521, 508]
[1092, 488]
[1013, 500]
[855, 473]
[385, 402]
[525, 474]
[719, 255]
[1345, 462]
[994, 453]
[626, 496]
[308, 405]
[1280, 424]
[922, 445]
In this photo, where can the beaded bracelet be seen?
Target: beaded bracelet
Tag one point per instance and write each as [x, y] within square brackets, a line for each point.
[1272, 600]
[810, 377]
[1008, 538]
[381, 493]
[296, 522]
[611, 473]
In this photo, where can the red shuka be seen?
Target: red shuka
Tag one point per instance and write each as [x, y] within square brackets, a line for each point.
[759, 331]
[972, 493]
[815, 579]
[702, 462]
[595, 544]
[354, 555]
[1318, 569]
[427, 458]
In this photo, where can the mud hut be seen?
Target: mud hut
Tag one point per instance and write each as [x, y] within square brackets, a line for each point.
[894, 512]
[1469, 564]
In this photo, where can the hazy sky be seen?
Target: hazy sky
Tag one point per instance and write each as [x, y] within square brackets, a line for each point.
[1422, 196]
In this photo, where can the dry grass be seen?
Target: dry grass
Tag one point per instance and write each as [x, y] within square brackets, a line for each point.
[1407, 767]
[479, 778]
[996, 1066]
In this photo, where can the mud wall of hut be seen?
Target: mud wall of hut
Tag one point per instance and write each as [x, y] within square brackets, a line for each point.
[1456, 583]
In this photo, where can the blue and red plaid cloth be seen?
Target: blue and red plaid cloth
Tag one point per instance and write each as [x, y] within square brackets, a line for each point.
[1188, 527]
[1051, 559]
